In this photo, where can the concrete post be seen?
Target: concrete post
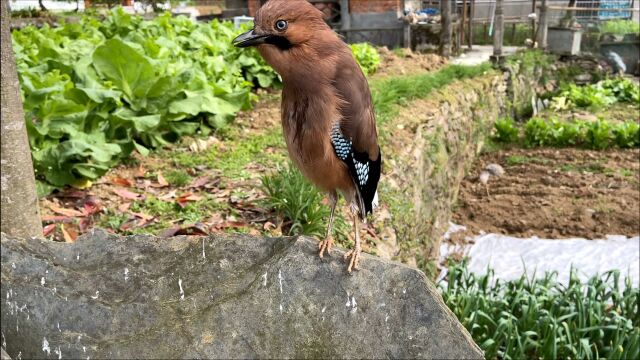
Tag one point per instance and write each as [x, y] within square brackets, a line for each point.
[345, 16]
[445, 28]
[498, 34]
[542, 26]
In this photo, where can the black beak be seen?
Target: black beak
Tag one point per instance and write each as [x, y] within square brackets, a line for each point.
[250, 38]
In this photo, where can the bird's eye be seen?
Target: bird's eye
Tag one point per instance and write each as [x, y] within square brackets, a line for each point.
[281, 25]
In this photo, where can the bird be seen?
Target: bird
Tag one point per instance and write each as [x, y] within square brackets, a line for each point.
[327, 114]
[490, 170]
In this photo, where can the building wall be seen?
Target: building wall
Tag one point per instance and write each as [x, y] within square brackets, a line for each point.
[377, 6]
[355, 6]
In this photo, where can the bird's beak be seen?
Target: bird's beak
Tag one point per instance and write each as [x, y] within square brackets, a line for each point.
[250, 38]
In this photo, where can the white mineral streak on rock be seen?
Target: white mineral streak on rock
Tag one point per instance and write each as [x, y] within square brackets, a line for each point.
[280, 278]
[126, 274]
[181, 290]
[96, 296]
[45, 346]
[203, 255]
[42, 282]
[351, 303]
[264, 279]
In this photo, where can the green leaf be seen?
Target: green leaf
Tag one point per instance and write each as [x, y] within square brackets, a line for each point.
[130, 71]
[140, 123]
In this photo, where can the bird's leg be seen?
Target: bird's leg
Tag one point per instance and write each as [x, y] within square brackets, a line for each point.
[325, 245]
[355, 253]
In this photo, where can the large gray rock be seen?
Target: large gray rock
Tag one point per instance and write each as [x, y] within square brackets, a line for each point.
[224, 296]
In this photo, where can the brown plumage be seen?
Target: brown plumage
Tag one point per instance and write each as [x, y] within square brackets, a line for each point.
[327, 114]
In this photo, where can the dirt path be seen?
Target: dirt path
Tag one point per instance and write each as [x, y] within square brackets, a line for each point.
[554, 193]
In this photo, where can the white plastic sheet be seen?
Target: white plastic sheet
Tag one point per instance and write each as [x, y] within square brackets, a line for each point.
[509, 256]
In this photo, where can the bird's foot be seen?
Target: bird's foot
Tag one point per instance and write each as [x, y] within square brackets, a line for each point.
[325, 245]
[354, 258]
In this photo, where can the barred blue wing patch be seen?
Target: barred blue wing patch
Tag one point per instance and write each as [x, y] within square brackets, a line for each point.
[364, 172]
[341, 145]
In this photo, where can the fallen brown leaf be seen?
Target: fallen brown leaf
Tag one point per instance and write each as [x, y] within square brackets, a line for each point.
[122, 182]
[141, 215]
[91, 208]
[168, 196]
[230, 224]
[185, 198]
[48, 229]
[200, 182]
[54, 218]
[162, 181]
[124, 206]
[139, 172]
[129, 195]
[65, 211]
[69, 234]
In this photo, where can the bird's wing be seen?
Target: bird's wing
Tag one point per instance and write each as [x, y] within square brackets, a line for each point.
[354, 137]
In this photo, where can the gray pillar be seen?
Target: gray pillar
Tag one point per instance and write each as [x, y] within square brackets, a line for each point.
[542, 26]
[345, 16]
[445, 28]
[498, 29]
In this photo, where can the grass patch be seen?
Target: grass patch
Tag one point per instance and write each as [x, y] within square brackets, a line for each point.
[388, 93]
[514, 160]
[238, 152]
[177, 178]
[298, 202]
[532, 319]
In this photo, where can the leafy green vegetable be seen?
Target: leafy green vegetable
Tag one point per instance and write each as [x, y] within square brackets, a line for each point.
[597, 96]
[367, 56]
[96, 91]
[599, 134]
[506, 131]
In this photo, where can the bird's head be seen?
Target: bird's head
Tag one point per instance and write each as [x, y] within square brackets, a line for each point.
[283, 24]
[289, 34]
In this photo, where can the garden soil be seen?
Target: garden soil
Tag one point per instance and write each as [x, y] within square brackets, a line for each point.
[553, 193]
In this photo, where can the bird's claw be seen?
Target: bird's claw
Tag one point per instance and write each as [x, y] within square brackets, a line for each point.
[355, 259]
[325, 246]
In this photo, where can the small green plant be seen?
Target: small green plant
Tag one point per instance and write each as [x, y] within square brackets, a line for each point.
[367, 56]
[537, 132]
[623, 89]
[506, 131]
[177, 178]
[298, 202]
[599, 134]
[543, 319]
[627, 134]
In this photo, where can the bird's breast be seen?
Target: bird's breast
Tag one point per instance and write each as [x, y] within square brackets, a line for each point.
[307, 132]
